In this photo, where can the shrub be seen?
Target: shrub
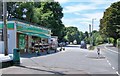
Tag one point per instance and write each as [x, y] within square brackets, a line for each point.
[99, 40]
[111, 40]
[91, 47]
[118, 43]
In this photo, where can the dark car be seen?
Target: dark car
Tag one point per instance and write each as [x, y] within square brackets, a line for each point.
[83, 45]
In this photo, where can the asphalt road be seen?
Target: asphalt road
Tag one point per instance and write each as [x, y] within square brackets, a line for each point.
[71, 61]
[112, 55]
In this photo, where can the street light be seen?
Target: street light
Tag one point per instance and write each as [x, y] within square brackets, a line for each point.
[90, 33]
[92, 29]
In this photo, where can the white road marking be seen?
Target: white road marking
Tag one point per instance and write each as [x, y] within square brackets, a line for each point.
[108, 60]
[113, 68]
[118, 73]
[111, 50]
[109, 64]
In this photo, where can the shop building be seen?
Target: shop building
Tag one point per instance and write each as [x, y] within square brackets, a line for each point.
[22, 35]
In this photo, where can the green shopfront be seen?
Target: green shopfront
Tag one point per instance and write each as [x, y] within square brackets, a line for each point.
[20, 35]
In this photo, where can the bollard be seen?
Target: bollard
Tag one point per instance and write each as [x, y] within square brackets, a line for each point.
[16, 56]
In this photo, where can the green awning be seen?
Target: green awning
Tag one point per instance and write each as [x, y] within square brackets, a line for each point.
[38, 35]
[33, 30]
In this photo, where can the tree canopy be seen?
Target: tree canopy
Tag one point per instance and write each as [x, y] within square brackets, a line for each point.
[72, 33]
[110, 23]
[47, 14]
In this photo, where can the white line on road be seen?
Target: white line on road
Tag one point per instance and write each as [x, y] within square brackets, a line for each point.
[118, 73]
[113, 68]
[111, 50]
[109, 64]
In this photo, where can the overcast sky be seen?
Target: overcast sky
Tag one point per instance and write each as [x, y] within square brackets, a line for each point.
[79, 13]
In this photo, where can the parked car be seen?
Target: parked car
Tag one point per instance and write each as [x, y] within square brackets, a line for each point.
[83, 45]
[62, 44]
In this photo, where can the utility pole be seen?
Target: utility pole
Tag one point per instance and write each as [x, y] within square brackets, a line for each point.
[90, 33]
[92, 30]
[5, 28]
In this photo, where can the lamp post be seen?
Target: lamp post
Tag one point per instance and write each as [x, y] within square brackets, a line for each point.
[92, 30]
[5, 28]
[90, 33]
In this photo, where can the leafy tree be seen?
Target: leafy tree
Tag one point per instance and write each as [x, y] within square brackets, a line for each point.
[99, 40]
[109, 24]
[86, 37]
[86, 34]
[51, 15]
[72, 34]
[81, 36]
[47, 14]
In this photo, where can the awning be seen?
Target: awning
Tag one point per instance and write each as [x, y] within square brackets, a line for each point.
[38, 35]
[33, 30]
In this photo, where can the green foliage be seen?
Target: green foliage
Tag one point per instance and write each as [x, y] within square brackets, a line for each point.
[111, 40]
[47, 14]
[81, 36]
[72, 34]
[99, 40]
[118, 43]
[109, 24]
[91, 47]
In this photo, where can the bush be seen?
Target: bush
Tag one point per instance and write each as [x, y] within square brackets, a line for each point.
[99, 40]
[111, 40]
[118, 43]
[91, 47]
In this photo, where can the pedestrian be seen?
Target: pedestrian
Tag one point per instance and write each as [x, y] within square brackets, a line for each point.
[98, 52]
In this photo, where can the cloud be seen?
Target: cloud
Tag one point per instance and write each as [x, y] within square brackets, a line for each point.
[92, 4]
[81, 13]
[94, 1]
[77, 8]
[98, 15]
[62, 1]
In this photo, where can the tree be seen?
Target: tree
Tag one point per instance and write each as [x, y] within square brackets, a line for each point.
[109, 24]
[50, 17]
[72, 34]
[81, 36]
[47, 14]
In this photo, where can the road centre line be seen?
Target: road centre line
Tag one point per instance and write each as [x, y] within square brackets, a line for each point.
[108, 60]
[109, 64]
[113, 68]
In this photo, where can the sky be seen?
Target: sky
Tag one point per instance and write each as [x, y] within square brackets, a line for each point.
[81, 13]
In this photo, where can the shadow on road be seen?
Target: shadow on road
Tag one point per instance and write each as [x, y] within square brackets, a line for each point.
[97, 57]
[30, 55]
[54, 72]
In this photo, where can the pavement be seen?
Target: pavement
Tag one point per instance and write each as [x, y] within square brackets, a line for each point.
[71, 61]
